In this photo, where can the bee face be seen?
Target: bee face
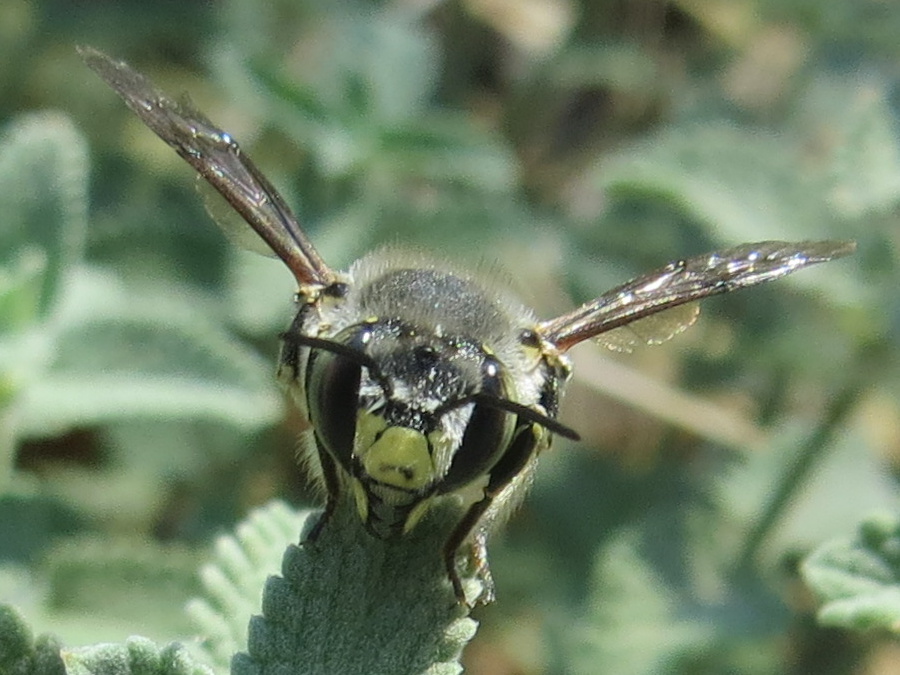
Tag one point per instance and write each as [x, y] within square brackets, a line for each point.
[418, 400]
[421, 382]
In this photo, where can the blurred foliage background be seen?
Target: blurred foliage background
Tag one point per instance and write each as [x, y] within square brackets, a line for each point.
[574, 145]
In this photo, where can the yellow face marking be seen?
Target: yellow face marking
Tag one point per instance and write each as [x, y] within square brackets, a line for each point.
[362, 501]
[416, 515]
[368, 426]
[399, 457]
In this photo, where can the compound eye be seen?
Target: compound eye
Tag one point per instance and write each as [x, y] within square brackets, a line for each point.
[487, 436]
[332, 397]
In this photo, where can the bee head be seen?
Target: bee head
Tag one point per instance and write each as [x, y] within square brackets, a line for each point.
[397, 409]
[411, 403]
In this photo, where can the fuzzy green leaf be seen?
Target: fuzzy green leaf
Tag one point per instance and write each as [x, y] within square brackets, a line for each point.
[128, 581]
[20, 653]
[743, 185]
[864, 152]
[844, 484]
[138, 656]
[234, 580]
[351, 603]
[121, 354]
[635, 623]
[858, 580]
[447, 149]
[43, 196]
[20, 290]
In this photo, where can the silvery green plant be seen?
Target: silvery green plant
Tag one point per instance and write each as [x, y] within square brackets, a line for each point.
[727, 181]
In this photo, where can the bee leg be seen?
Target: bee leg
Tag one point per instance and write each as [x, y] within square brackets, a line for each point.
[508, 482]
[479, 552]
[332, 490]
[482, 569]
[289, 366]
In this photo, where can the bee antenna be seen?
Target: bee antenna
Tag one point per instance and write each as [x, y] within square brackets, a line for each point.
[338, 348]
[518, 409]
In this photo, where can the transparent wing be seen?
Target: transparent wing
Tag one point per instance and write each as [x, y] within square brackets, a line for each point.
[685, 281]
[230, 221]
[219, 160]
[651, 330]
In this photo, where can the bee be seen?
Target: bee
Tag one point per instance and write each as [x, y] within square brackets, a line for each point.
[422, 382]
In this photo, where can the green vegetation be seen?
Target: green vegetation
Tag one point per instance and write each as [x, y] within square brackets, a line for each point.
[729, 486]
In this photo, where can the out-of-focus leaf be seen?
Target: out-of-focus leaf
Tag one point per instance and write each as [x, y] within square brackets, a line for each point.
[121, 354]
[381, 67]
[365, 109]
[634, 624]
[620, 66]
[172, 449]
[233, 582]
[301, 97]
[18, 23]
[741, 185]
[260, 293]
[852, 119]
[340, 144]
[663, 597]
[60, 402]
[449, 150]
[134, 585]
[8, 417]
[43, 202]
[20, 292]
[43, 196]
[29, 523]
[858, 580]
[847, 483]
[21, 588]
[850, 28]
[121, 497]
[744, 185]
[21, 349]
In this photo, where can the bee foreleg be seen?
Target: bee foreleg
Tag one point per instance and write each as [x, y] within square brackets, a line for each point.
[332, 484]
[482, 569]
[479, 552]
[508, 482]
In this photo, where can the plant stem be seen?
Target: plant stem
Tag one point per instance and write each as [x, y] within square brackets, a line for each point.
[7, 442]
[806, 459]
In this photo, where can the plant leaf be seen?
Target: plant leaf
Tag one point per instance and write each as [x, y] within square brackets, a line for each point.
[635, 623]
[43, 196]
[20, 291]
[351, 603]
[138, 656]
[234, 580]
[122, 354]
[20, 653]
[858, 580]
[854, 114]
